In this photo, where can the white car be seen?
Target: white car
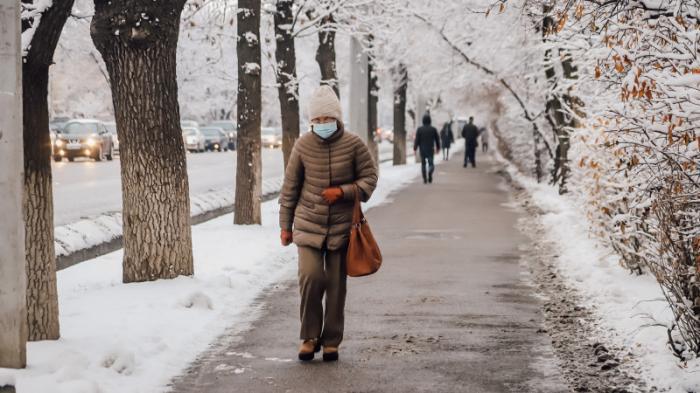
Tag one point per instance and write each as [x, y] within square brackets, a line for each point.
[271, 137]
[194, 140]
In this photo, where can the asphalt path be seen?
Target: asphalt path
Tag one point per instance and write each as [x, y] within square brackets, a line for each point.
[451, 310]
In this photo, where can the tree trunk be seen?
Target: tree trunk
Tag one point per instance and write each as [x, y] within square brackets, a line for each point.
[400, 116]
[249, 171]
[560, 122]
[42, 297]
[288, 87]
[325, 54]
[372, 121]
[138, 42]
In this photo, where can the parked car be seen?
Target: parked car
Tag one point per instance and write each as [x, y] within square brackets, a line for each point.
[194, 140]
[271, 137]
[231, 130]
[112, 128]
[83, 138]
[214, 138]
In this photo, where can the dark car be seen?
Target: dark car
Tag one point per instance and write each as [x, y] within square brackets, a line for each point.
[214, 138]
[230, 129]
[83, 138]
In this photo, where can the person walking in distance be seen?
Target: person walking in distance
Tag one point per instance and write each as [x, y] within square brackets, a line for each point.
[325, 169]
[471, 135]
[484, 133]
[447, 138]
[428, 141]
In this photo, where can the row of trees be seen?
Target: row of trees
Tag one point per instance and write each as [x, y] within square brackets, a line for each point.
[138, 40]
[638, 155]
[613, 87]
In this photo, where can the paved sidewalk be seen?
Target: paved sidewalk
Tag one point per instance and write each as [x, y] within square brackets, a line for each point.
[450, 311]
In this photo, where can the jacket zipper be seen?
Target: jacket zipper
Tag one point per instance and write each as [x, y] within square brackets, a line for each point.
[330, 183]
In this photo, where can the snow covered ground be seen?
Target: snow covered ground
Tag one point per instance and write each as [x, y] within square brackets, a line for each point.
[627, 305]
[135, 337]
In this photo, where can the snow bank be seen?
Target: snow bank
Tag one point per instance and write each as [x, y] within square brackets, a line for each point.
[628, 306]
[135, 337]
[91, 232]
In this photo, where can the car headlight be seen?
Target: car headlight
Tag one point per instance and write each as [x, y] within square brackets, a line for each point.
[60, 143]
[91, 142]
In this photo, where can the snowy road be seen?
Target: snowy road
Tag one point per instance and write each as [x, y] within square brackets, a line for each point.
[85, 188]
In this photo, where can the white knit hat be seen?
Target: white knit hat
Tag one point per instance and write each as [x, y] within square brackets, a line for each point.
[324, 102]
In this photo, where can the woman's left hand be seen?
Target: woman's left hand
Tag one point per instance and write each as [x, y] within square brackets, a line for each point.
[332, 194]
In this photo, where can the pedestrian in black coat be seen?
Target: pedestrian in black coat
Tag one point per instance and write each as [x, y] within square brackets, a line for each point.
[428, 141]
[447, 138]
[471, 136]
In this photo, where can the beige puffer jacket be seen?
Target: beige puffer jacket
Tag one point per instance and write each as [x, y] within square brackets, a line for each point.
[315, 164]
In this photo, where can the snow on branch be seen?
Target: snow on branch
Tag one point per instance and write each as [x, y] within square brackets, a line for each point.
[31, 17]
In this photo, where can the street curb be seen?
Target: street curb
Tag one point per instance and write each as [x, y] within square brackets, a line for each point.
[74, 258]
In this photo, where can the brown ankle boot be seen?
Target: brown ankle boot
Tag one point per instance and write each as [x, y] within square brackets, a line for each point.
[330, 354]
[307, 350]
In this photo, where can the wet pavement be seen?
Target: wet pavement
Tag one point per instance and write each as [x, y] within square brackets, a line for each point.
[452, 309]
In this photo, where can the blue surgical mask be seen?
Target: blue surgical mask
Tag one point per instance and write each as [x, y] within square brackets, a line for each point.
[325, 130]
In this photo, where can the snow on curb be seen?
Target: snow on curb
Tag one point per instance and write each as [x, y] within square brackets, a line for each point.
[627, 305]
[135, 338]
[91, 232]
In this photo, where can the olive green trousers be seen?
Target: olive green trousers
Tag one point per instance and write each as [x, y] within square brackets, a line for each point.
[322, 272]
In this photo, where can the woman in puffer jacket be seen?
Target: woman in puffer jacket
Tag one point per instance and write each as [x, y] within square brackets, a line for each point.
[325, 169]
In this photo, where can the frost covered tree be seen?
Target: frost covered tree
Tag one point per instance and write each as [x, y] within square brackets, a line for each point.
[322, 16]
[249, 169]
[138, 42]
[42, 23]
[286, 71]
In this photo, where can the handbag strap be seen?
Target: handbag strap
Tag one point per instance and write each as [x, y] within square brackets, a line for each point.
[357, 215]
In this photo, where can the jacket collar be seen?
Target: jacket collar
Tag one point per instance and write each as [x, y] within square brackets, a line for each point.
[336, 135]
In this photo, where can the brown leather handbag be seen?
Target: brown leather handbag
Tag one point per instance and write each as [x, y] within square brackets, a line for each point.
[364, 257]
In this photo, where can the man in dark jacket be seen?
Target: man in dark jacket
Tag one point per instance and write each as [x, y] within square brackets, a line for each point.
[447, 138]
[428, 141]
[471, 135]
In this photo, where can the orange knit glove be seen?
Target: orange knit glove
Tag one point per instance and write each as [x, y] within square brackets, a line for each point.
[286, 237]
[332, 195]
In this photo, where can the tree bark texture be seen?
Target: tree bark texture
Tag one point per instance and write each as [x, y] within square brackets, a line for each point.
[249, 170]
[42, 297]
[400, 116]
[287, 84]
[372, 116]
[138, 42]
[325, 54]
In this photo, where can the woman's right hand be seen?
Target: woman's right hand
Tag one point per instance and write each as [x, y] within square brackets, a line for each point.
[286, 237]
